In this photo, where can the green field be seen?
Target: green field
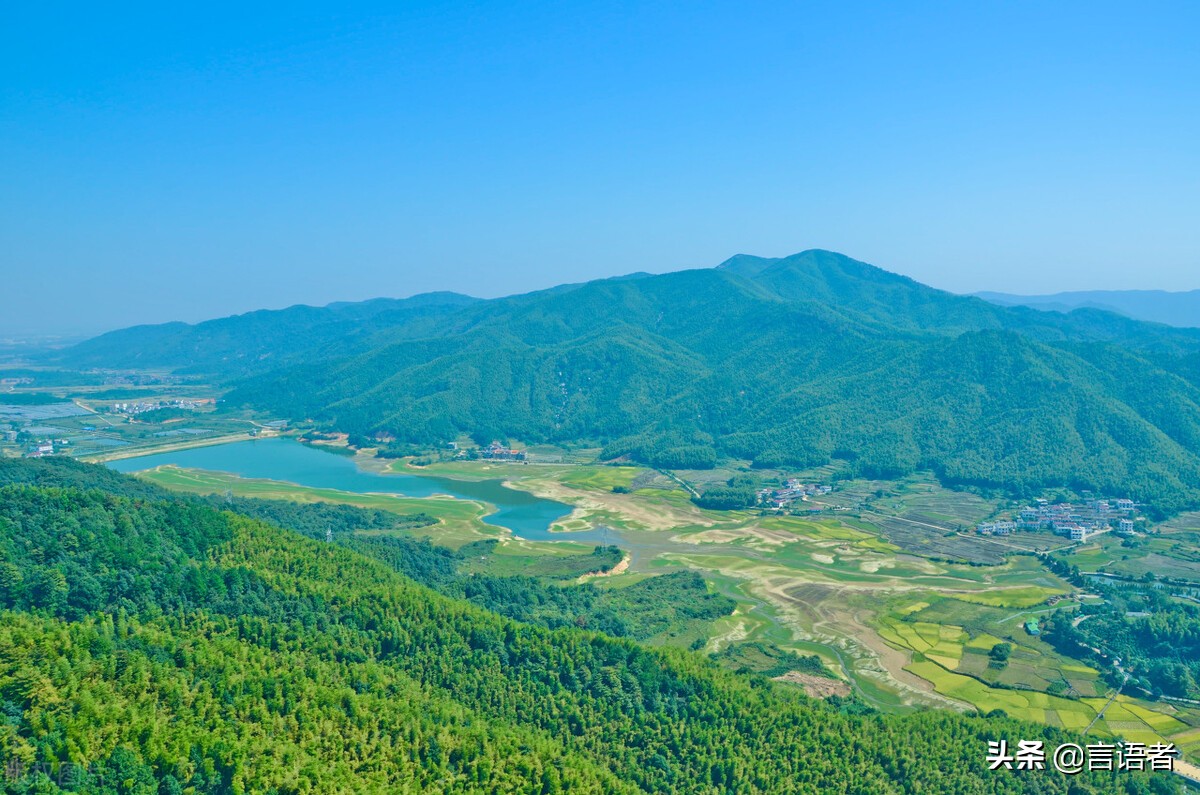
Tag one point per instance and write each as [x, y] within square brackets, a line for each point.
[1173, 551]
[954, 658]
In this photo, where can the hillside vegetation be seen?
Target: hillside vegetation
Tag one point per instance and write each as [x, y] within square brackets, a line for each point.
[256, 341]
[794, 361]
[156, 644]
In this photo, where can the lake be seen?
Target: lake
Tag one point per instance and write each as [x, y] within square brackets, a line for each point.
[287, 460]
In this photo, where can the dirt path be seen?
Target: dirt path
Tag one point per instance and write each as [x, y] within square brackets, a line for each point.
[816, 686]
[833, 623]
[1188, 771]
[620, 568]
[737, 632]
[96, 414]
[626, 506]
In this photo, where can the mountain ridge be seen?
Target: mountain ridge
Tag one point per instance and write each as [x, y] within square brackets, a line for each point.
[1179, 309]
[788, 361]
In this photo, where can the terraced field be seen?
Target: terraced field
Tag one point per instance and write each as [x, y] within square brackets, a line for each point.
[1034, 682]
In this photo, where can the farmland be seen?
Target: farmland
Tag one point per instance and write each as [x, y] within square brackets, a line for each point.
[951, 645]
[85, 421]
[1171, 553]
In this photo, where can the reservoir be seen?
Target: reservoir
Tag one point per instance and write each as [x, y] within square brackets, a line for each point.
[287, 460]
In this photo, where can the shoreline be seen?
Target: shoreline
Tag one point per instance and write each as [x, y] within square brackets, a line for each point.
[141, 452]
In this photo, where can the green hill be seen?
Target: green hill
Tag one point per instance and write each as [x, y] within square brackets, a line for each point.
[255, 341]
[152, 645]
[793, 361]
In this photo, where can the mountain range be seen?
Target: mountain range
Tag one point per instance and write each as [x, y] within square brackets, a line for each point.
[1158, 306]
[791, 361]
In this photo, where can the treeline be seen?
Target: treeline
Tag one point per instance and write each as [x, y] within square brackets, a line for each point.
[1158, 645]
[228, 655]
[164, 414]
[28, 398]
[740, 491]
[768, 660]
[62, 472]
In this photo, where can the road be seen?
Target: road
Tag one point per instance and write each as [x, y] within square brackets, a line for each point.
[688, 487]
[1188, 771]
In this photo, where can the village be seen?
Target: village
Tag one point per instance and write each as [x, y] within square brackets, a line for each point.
[106, 423]
[793, 491]
[1076, 522]
[140, 407]
[38, 440]
[496, 451]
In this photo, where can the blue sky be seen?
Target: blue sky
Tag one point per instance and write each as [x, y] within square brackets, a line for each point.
[159, 164]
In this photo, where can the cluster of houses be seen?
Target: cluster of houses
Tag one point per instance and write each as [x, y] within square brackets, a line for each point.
[45, 447]
[1076, 522]
[793, 491]
[498, 452]
[143, 406]
[33, 447]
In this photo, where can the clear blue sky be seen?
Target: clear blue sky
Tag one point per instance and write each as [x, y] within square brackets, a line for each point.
[159, 164]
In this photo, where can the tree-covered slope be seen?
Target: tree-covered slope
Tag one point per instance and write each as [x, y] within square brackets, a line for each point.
[256, 341]
[158, 645]
[781, 361]
[791, 361]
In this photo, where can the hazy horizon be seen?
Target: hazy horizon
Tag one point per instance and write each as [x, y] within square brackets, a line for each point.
[11, 334]
[160, 165]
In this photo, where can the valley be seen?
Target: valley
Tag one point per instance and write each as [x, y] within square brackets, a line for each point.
[817, 488]
[868, 585]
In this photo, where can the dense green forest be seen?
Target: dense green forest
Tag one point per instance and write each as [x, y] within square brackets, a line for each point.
[28, 398]
[313, 519]
[795, 361]
[150, 644]
[638, 611]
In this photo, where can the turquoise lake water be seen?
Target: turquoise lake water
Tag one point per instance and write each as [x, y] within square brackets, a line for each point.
[287, 460]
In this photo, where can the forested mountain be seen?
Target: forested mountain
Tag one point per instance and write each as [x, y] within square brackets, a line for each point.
[158, 645]
[256, 341]
[790, 361]
[1159, 306]
[780, 361]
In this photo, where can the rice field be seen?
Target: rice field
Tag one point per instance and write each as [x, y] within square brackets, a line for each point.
[954, 659]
